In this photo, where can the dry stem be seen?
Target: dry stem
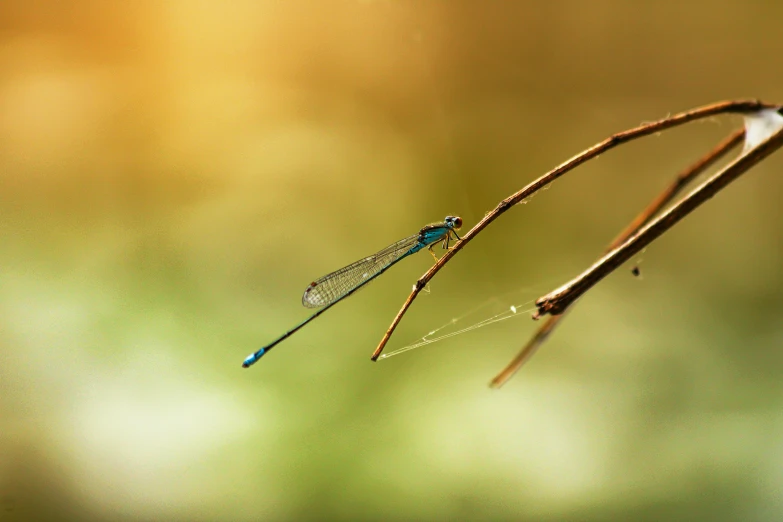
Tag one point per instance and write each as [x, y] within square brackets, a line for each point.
[663, 199]
[742, 106]
[558, 300]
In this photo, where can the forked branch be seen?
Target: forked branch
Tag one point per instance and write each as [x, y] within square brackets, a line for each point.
[658, 204]
[743, 106]
[558, 300]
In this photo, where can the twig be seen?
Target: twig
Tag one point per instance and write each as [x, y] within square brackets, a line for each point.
[663, 199]
[742, 106]
[680, 182]
[558, 300]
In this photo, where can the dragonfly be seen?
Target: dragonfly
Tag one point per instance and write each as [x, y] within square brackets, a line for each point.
[334, 287]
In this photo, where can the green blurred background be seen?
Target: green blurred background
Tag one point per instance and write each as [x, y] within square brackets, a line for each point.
[174, 173]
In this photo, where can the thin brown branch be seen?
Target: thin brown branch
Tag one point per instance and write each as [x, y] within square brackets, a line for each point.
[558, 300]
[680, 182]
[663, 199]
[528, 350]
[742, 106]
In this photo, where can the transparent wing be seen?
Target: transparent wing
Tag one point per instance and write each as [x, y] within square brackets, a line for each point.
[332, 287]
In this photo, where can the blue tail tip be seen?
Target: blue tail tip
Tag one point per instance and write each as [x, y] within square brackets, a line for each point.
[253, 357]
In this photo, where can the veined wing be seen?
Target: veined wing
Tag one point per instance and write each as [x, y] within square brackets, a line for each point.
[332, 287]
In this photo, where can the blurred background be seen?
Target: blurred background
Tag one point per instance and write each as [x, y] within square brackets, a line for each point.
[174, 173]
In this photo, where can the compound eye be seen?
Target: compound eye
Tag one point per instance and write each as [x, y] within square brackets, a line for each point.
[457, 221]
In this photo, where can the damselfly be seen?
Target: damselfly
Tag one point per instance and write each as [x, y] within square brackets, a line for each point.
[333, 288]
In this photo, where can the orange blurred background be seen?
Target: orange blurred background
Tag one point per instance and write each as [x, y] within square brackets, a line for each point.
[174, 173]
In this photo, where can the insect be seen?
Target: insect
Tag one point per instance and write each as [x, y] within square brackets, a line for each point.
[336, 286]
